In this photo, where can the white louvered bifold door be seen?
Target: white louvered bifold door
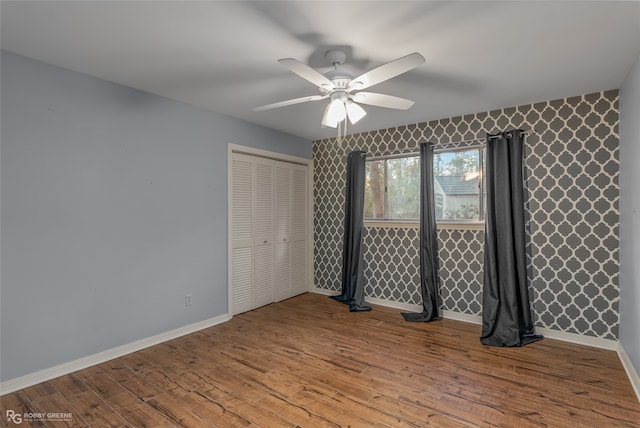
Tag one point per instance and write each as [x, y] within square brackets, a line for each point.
[283, 231]
[269, 231]
[264, 269]
[299, 230]
[242, 259]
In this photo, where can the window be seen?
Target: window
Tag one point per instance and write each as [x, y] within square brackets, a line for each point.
[392, 186]
[459, 185]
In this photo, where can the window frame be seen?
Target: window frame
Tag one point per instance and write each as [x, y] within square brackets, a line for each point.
[462, 224]
[481, 148]
[391, 221]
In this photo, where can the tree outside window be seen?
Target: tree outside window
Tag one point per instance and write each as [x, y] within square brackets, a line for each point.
[392, 187]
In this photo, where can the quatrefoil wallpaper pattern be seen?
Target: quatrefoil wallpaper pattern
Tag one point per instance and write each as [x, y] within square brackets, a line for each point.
[571, 172]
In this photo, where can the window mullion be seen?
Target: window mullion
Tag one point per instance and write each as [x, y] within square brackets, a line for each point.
[481, 184]
[386, 194]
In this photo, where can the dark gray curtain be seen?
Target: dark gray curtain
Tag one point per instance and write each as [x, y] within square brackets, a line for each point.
[352, 253]
[429, 263]
[506, 312]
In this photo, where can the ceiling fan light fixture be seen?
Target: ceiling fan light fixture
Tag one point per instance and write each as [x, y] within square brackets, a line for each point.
[354, 112]
[325, 119]
[334, 113]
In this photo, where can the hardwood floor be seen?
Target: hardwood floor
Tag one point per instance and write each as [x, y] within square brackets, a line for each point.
[308, 362]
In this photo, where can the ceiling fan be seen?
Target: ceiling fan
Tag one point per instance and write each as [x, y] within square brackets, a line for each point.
[344, 90]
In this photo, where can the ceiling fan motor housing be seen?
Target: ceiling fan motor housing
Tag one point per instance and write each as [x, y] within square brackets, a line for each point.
[340, 78]
[335, 56]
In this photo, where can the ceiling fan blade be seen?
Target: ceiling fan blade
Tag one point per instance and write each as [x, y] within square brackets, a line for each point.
[382, 100]
[386, 71]
[291, 102]
[307, 73]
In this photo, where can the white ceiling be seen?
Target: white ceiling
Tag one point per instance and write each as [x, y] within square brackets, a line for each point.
[222, 56]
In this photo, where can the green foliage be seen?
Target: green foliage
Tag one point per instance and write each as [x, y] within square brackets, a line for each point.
[403, 188]
[465, 212]
[455, 163]
[399, 180]
[374, 189]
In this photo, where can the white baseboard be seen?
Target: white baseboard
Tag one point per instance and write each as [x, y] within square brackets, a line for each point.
[373, 300]
[324, 291]
[91, 360]
[632, 374]
[579, 339]
[396, 305]
[459, 316]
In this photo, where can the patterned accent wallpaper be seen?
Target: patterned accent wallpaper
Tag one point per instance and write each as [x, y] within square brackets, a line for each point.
[571, 173]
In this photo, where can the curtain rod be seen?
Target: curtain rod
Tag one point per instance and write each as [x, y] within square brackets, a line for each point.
[474, 140]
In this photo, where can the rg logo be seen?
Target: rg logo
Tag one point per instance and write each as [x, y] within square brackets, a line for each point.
[14, 417]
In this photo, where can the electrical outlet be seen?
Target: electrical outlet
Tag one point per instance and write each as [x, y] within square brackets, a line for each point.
[187, 299]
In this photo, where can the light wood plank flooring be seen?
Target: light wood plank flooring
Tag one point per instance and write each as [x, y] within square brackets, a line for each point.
[308, 362]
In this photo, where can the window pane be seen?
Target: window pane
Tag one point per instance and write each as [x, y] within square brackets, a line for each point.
[374, 189]
[456, 185]
[403, 188]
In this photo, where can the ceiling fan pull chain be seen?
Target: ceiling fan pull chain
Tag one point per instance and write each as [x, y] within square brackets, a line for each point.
[344, 133]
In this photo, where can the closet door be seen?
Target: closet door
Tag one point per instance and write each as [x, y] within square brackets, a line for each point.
[282, 231]
[264, 269]
[268, 232]
[242, 260]
[299, 230]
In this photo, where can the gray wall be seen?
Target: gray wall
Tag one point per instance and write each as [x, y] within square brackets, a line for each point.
[630, 215]
[113, 208]
[572, 177]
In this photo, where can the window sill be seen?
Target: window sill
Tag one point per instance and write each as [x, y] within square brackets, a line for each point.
[460, 225]
[415, 224]
[409, 224]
